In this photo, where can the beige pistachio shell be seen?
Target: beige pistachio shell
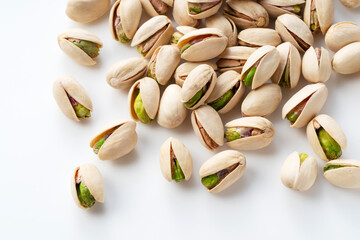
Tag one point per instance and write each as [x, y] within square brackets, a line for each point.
[184, 69]
[221, 161]
[206, 119]
[185, 29]
[315, 70]
[288, 53]
[258, 37]
[268, 58]
[252, 142]
[331, 127]
[91, 177]
[296, 176]
[84, 11]
[182, 155]
[288, 24]
[237, 53]
[75, 52]
[262, 101]
[324, 11]
[68, 84]
[172, 111]
[180, 14]
[122, 141]
[347, 59]
[277, 8]
[317, 92]
[123, 74]
[344, 177]
[350, 3]
[341, 34]
[170, 3]
[226, 25]
[153, 11]
[150, 95]
[207, 13]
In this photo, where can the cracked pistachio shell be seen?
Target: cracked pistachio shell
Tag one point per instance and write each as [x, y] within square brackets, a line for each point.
[225, 82]
[253, 14]
[347, 59]
[237, 53]
[252, 142]
[317, 92]
[206, 119]
[288, 53]
[268, 58]
[129, 12]
[344, 177]
[288, 25]
[166, 58]
[226, 25]
[207, 13]
[68, 84]
[75, 52]
[315, 70]
[341, 34]
[350, 3]
[182, 155]
[299, 176]
[221, 161]
[122, 141]
[183, 70]
[149, 28]
[150, 95]
[324, 11]
[331, 127]
[202, 75]
[181, 16]
[258, 37]
[84, 11]
[276, 8]
[151, 10]
[123, 74]
[172, 111]
[262, 101]
[91, 177]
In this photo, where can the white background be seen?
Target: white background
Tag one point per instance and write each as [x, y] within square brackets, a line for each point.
[40, 147]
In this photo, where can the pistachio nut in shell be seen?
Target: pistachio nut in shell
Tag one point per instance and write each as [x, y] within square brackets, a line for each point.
[258, 37]
[227, 92]
[292, 29]
[183, 70]
[344, 173]
[180, 31]
[222, 170]
[154, 7]
[234, 58]
[277, 8]
[305, 104]
[115, 141]
[202, 44]
[72, 98]
[260, 66]
[299, 171]
[287, 75]
[181, 16]
[347, 59]
[319, 15]
[199, 9]
[84, 11]
[172, 111]
[316, 65]
[123, 74]
[341, 34]
[80, 45]
[226, 25]
[87, 185]
[175, 160]
[262, 101]
[208, 127]
[326, 137]
[350, 3]
[153, 33]
[249, 133]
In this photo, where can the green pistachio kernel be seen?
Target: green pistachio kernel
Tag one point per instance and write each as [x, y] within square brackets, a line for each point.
[186, 46]
[139, 49]
[249, 76]
[297, 8]
[210, 181]
[331, 148]
[176, 37]
[98, 145]
[81, 111]
[231, 134]
[195, 10]
[292, 116]
[285, 78]
[222, 101]
[194, 99]
[178, 174]
[90, 48]
[84, 195]
[140, 110]
[315, 25]
[331, 167]
[303, 156]
[123, 38]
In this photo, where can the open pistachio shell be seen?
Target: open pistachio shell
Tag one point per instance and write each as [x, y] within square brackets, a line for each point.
[66, 86]
[347, 59]
[180, 14]
[174, 148]
[199, 9]
[344, 173]
[220, 162]
[226, 25]
[86, 11]
[350, 3]
[90, 176]
[323, 11]
[341, 34]
[298, 174]
[277, 8]
[154, 8]
[183, 70]
[258, 37]
[208, 127]
[316, 65]
[234, 58]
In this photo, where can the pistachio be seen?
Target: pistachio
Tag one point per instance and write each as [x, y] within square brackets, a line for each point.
[350, 3]
[276, 8]
[86, 11]
[319, 15]
[199, 9]
[344, 173]
[258, 37]
[234, 58]
[347, 59]
[181, 31]
[180, 14]
[154, 7]
[226, 25]
[316, 65]
[341, 34]
[140, 110]
[184, 69]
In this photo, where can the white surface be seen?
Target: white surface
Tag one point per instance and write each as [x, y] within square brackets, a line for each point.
[41, 147]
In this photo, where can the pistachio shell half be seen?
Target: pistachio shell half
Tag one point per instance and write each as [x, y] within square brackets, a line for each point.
[350, 3]
[234, 58]
[347, 59]
[181, 16]
[226, 25]
[258, 37]
[341, 34]
[199, 9]
[277, 8]
[86, 11]
[344, 173]
[154, 7]
[184, 69]
[316, 65]
[319, 15]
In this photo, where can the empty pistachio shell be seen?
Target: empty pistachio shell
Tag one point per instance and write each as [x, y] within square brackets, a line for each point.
[199, 9]
[319, 15]
[262, 101]
[208, 127]
[249, 133]
[154, 7]
[184, 69]
[347, 59]
[222, 170]
[180, 14]
[258, 37]
[351, 3]
[72, 98]
[115, 141]
[87, 185]
[316, 65]
[276, 8]
[305, 104]
[299, 171]
[341, 34]
[344, 173]
[226, 25]
[80, 45]
[123, 74]
[180, 31]
[175, 160]
[234, 58]
[86, 11]
[172, 111]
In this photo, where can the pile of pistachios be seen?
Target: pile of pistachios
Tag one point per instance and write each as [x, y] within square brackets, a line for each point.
[217, 50]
